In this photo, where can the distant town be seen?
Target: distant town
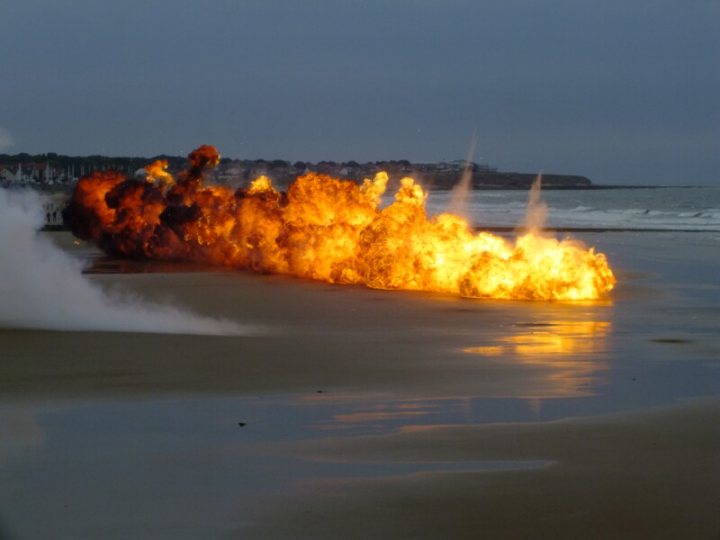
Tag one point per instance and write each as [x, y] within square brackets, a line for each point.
[55, 172]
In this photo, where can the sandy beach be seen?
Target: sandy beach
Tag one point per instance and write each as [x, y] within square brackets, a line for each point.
[346, 412]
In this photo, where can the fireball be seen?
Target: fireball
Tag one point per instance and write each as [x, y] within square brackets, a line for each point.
[327, 229]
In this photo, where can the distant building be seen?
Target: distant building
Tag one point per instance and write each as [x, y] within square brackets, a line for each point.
[6, 174]
[36, 173]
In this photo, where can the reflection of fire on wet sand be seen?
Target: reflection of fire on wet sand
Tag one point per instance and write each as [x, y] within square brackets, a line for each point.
[569, 348]
[559, 359]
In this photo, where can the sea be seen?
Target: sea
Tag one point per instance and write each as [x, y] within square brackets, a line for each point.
[695, 209]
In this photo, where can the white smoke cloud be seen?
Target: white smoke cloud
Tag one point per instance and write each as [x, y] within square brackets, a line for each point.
[42, 286]
[6, 139]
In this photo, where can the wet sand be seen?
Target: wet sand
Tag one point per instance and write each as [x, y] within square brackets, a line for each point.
[636, 475]
[359, 413]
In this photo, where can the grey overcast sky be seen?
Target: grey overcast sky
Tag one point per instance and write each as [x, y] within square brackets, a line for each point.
[622, 91]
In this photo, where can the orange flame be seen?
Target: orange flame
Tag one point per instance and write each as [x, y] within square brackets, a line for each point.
[326, 229]
[157, 172]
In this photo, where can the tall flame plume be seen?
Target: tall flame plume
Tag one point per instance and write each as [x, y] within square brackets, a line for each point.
[327, 229]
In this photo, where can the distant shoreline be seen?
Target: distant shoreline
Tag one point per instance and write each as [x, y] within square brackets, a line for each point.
[52, 171]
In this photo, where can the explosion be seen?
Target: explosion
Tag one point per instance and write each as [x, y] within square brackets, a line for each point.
[328, 229]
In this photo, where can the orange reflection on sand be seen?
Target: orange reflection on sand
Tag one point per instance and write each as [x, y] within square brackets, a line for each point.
[367, 417]
[570, 351]
[381, 413]
[488, 350]
[577, 337]
[555, 338]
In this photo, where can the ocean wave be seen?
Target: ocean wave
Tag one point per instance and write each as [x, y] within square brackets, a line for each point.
[665, 209]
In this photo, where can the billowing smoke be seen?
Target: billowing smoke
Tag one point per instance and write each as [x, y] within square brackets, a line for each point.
[42, 286]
